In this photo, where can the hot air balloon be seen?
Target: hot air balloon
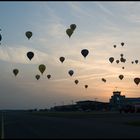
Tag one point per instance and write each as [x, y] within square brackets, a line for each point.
[122, 60]
[114, 46]
[62, 59]
[122, 43]
[37, 77]
[117, 61]
[76, 82]
[49, 76]
[86, 86]
[137, 80]
[84, 52]
[71, 72]
[111, 59]
[121, 77]
[0, 37]
[30, 55]
[73, 26]
[42, 68]
[15, 71]
[104, 80]
[136, 61]
[28, 34]
[69, 32]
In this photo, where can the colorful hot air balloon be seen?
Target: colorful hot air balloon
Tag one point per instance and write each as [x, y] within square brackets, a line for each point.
[49, 76]
[73, 26]
[28, 34]
[84, 52]
[30, 55]
[121, 77]
[42, 68]
[111, 59]
[137, 80]
[62, 59]
[69, 32]
[15, 71]
[76, 82]
[37, 77]
[71, 72]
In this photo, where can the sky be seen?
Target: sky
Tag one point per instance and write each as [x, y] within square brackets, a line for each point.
[99, 26]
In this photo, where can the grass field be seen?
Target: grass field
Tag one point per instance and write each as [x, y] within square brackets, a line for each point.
[74, 114]
[133, 123]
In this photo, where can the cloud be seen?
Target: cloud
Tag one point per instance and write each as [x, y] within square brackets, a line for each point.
[56, 30]
[18, 55]
[78, 10]
[104, 9]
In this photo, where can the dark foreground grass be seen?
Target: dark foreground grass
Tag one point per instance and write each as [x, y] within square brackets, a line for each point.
[133, 123]
[74, 114]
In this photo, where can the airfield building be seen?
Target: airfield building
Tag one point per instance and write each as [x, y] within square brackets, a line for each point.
[117, 100]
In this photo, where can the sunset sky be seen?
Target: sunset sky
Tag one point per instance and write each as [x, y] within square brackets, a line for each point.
[100, 25]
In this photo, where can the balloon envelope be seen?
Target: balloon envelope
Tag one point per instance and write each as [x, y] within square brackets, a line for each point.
[73, 26]
[69, 32]
[76, 81]
[117, 61]
[71, 72]
[15, 71]
[137, 80]
[62, 59]
[122, 43]
[121, 77]
[104, 80]
[28, 34]
[114, 46]
[49, 76]
[122, 59]
[0, 37]
[84, 52]
[37, 77]
[86, 86]
[111, 59]
[136, 61]
[30, 55]
[42, 68]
